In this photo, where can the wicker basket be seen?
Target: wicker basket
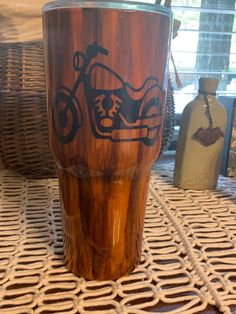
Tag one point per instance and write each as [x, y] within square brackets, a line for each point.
[23, 116]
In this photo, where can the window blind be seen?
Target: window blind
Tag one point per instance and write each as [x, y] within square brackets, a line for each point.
[205, 46]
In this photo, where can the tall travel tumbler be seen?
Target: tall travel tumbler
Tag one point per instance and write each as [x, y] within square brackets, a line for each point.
[106, 70]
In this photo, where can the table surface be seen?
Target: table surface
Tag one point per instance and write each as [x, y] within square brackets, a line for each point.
[188, 263]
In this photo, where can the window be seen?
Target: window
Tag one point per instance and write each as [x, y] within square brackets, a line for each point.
[205, 46]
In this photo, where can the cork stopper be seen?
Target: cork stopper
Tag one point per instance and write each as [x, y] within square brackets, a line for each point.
[207, 84]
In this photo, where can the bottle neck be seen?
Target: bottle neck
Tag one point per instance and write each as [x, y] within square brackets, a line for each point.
[204, 93]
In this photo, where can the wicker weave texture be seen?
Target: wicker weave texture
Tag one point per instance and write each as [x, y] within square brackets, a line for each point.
[169, 117]
[23, 115]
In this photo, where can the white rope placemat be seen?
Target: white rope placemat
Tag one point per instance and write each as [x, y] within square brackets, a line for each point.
[188, 263]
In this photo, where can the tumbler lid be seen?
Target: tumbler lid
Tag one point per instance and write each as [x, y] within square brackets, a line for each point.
[120, 5]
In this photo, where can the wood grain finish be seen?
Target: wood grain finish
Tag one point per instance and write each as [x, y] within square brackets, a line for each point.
[104, 166]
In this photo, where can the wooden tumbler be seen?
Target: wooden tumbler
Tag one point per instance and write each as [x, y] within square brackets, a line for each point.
[106, 69]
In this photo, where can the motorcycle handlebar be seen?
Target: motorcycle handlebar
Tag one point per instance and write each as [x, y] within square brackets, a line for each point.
[94, 49]
[102, 50]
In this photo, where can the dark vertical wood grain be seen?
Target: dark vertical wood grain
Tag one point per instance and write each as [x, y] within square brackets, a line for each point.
[103, 184]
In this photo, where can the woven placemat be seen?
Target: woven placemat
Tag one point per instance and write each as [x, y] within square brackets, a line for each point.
[188, 263]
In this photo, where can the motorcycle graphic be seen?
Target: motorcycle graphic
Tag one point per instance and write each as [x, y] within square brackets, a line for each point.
[120, 114]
